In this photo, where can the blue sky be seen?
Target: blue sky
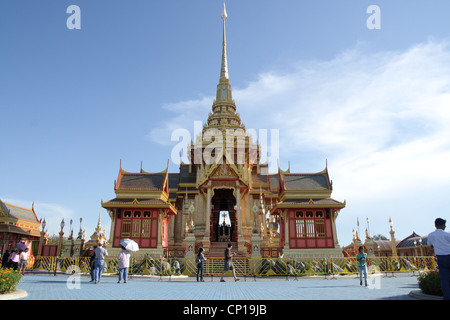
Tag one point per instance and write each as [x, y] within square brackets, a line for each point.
[374, 103]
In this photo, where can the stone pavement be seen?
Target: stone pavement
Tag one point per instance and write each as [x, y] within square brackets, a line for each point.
[76, 287]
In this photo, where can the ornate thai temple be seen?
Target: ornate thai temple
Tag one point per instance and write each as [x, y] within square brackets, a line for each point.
[224, 194]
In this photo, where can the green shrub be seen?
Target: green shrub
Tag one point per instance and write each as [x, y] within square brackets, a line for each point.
[430, 283]
[9, 279]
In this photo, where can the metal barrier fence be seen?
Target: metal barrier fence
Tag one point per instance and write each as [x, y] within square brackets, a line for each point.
[298, 266]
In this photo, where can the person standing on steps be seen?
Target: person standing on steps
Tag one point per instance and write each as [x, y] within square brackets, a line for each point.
[228, 263]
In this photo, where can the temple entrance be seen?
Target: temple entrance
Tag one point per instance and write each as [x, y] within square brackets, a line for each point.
[224, 227]
[223, 216]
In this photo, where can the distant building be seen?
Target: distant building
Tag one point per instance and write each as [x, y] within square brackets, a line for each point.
[412, 245]
[18, 224]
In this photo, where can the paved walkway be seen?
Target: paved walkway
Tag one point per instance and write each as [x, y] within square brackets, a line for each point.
[64, 287]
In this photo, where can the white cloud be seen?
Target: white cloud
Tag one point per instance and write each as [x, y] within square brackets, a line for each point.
[185, 113]
[382, 120]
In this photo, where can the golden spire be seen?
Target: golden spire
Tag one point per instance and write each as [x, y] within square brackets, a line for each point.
[99, 234]
[99, 224]
[224, 108]
[224, 87]
[224, 66]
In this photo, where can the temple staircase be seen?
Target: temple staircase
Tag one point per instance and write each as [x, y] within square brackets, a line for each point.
[216, 259]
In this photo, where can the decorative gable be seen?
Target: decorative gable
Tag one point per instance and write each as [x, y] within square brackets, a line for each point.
[223, 170]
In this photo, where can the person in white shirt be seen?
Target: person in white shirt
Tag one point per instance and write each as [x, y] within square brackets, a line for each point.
[440, 241]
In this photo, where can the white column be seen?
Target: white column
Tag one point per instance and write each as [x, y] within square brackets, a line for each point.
[333, 225]
[160, 228]
[238, 204]
[286, 216]
[112, 234]
[208, 210]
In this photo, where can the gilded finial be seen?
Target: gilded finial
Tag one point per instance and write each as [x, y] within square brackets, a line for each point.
[224, 12]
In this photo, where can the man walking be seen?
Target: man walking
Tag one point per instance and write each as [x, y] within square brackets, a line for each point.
[440, 241]
[100, 254]
[228, 263]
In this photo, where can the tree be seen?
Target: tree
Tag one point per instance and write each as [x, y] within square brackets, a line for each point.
[379, 237]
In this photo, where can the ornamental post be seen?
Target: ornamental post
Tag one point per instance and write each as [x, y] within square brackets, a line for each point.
[61, 233]
[392, 232]
[41, 239]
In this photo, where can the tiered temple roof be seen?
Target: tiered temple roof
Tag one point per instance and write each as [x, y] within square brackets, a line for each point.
[18, 220]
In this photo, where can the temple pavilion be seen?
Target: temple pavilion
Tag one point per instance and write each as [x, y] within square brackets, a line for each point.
[18, 225]
[224, 194]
